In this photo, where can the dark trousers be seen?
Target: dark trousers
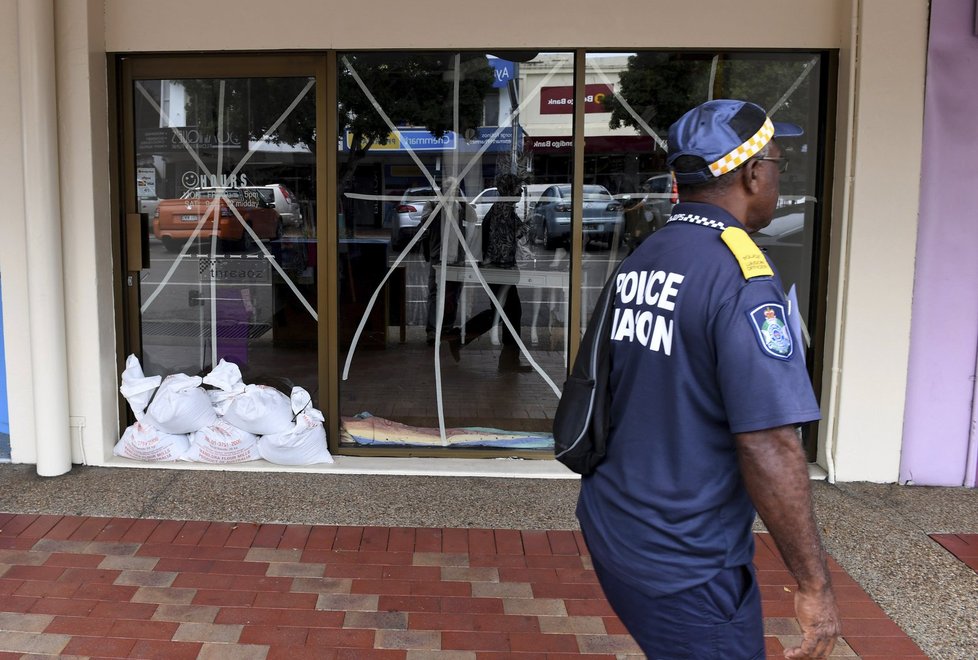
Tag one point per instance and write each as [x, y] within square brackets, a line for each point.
[720, 619]
[509, 297]
[452, 291]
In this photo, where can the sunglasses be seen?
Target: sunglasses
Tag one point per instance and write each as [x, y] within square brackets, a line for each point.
[782, 162]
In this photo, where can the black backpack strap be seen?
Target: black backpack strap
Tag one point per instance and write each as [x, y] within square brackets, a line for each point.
[581, 422]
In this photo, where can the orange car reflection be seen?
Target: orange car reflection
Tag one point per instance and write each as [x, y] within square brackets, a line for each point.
[176, 219]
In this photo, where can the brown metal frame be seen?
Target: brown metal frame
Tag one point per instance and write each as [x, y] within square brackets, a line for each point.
[124, 70]
[828, 94]
[577, 210]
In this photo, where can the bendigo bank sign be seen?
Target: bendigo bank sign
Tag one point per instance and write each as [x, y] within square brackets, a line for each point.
[560, 100]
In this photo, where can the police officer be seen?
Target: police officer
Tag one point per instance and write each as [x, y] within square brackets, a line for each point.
[708, 386]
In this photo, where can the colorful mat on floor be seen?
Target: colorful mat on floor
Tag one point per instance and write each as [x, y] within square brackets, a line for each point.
[365, 429]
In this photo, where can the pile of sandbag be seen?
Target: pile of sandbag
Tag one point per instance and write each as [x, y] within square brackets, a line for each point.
[230, 423]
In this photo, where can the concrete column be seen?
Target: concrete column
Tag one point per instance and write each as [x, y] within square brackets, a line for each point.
[42, 204]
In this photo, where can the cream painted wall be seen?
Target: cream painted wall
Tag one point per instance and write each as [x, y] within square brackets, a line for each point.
[13, 253]
[177, 25]
[874, 242]
[89, 269]
[866, 371]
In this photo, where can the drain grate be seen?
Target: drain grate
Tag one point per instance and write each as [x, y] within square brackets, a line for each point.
[183, 329]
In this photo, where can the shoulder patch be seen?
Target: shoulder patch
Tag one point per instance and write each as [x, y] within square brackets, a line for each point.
[771, 327]
[749, 256]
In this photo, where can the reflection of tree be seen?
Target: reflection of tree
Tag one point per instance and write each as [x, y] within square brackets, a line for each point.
[660, 87]
[252, 106]
[415, 89]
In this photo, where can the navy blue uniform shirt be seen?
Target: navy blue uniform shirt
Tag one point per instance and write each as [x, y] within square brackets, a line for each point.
[698, 354]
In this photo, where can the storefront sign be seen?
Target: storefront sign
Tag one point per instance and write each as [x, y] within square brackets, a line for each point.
[246, 269]
[425, 141]
[547, 143]
[415, 139]
[503, 72]
[193, 179]
[640, 144]
[145, 182]
[503, 142]
[176, 140]
[560, 100]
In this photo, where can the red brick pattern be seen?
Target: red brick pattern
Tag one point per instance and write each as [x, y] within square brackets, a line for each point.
[113, 587]
[962, 546]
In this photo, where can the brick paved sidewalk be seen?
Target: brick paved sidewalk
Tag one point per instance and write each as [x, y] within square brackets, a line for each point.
[122, 587]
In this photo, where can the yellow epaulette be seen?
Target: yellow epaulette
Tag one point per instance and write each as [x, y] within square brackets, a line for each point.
[749, 256]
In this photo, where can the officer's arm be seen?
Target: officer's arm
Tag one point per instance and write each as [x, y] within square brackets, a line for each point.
[775, 472]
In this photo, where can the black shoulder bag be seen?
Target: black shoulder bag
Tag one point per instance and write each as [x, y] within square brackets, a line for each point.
[582, 419]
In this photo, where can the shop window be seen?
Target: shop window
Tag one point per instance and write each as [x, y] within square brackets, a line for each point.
[456, 225]
[411, 141]
[633, 98]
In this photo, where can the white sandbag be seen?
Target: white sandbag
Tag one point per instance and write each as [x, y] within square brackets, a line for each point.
[226, 378]
[180, 405]
[222, 442]
[304, 443]
[144, 443]
[137, 388]
[261, 410]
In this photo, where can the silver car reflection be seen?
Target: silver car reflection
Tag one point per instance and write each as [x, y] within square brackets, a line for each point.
[551, 219]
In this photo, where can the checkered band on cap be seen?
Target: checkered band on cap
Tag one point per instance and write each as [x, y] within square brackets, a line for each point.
[748, 149]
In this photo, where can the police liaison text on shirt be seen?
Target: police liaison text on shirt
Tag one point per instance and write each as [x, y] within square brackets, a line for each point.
[642, 297]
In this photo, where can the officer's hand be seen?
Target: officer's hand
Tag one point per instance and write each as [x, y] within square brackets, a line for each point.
[820, 625]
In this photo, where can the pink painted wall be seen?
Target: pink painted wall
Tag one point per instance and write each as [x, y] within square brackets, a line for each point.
[944, 327]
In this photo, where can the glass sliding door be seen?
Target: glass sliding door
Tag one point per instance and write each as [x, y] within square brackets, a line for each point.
[221, 164]
[453, 294]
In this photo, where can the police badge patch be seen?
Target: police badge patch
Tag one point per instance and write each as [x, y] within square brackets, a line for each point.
[771, 325]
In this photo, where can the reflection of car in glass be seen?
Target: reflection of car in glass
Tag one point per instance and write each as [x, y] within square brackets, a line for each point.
[484, 201]
[147, 205]
[407, 215]
[552, 214]
[661, 194]
[649, 208]
[283, 200]
[175, 219]
[529, 194]
[785, 240]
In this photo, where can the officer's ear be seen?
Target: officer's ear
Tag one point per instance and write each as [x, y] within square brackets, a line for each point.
[751, 177]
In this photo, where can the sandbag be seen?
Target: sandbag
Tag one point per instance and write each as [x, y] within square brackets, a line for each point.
[144, 443]
[226, 378]
[221, 442]
[137, 388]
[180, 405]
[304, 443]
[261, 410]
